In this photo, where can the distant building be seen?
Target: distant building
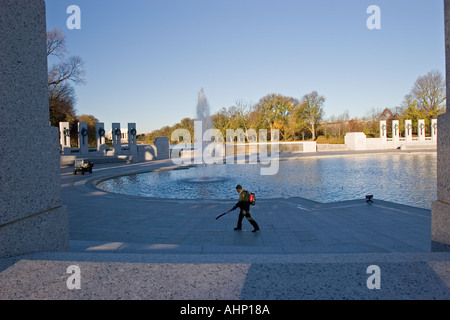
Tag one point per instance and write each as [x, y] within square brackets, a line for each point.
[123, 135]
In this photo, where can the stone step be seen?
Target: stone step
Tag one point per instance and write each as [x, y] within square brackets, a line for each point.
[226, 276]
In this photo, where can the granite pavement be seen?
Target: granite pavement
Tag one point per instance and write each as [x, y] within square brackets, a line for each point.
[137, 248]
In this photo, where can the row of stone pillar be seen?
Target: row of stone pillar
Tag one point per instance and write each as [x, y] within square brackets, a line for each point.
[100, 134]
[421, 132]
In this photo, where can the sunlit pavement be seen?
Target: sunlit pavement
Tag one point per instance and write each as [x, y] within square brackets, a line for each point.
[140, 248]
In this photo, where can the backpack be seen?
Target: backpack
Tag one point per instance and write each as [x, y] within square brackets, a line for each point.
[252, 198]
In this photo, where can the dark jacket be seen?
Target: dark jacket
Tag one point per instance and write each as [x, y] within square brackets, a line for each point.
[244, 201]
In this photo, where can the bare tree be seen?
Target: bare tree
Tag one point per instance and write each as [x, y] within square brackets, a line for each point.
[56, 43]
[60, 77]
[430, 93]
[72, 69]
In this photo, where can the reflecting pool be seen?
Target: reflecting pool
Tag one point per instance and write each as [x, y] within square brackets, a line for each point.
[407, 179]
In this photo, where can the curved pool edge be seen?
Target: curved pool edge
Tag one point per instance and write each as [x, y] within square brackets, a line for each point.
[92, 182]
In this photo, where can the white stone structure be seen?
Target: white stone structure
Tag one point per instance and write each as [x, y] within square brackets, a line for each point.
[359, 141]
[64, 137]
[100, 138]
[408, 131]
[421, 130]
[116, 137]
[356, 141]
[132, 134]
[434, 130]
[162, 148]
[383, 131]
[83, 141]
[395, 131]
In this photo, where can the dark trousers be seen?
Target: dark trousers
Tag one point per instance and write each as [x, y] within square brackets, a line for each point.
[246, 214]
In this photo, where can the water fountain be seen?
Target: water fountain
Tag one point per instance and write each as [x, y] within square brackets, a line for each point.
[202, 124]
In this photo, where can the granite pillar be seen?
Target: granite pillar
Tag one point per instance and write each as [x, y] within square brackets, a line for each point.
[421, 130]
[434, 127]
[395, 131]
[132, 142]
[408, 131]
[116, 136]
[64, 136]
[440, 217]
[162, 148]
[83, 139]
[100, 138]
[32, 218]
[383, 131]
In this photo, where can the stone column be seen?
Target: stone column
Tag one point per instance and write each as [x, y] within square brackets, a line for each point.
[421, 130]
[162, 148]
[408, 131]
[434, 130]
[32, 218]
[395, 131]
[383, 131]
[100, 138]
[132, 144]
[440, 217]
[64, 136]
[83, 139]
[116, 138]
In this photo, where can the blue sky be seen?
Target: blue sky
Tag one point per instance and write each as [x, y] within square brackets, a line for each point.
[146, 60]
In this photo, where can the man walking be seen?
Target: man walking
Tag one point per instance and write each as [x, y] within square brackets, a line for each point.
[244, 205]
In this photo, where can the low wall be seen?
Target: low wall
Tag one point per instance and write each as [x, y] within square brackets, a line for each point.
[294, 147]
[331, 147]
[147, 152]
[144, 153]
[359, 141]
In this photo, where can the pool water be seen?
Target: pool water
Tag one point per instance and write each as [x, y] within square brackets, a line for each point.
[408, 179]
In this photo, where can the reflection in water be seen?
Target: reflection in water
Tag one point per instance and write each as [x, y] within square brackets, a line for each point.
[407, 179]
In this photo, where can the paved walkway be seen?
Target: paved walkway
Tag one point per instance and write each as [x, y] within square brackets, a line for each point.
[139, 248]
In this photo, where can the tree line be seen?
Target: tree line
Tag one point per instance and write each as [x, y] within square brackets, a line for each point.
[296, 119]
[303, 119]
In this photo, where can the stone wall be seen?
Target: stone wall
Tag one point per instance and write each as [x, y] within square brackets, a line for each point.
[440, 222]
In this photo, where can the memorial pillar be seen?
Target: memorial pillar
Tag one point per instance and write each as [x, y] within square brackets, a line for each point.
[83, 141]
[421, 130]
[408, 131]
[383, 131]
[434, 130]
[64, 137]
[395, 131]
[132, 144]
[116, 136]
[100, 138]
[440, 217]
[32, 217]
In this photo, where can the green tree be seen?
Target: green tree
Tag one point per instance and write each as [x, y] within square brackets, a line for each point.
[275, 110]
